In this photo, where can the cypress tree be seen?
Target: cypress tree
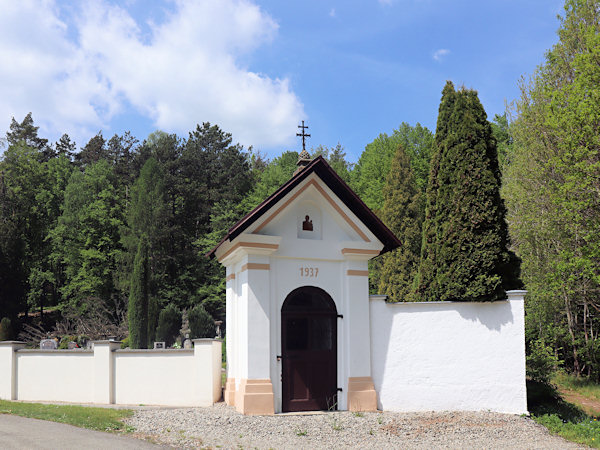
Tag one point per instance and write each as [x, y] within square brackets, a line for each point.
[138, 297]
[465, 239]
[426, 277]
[402, 213]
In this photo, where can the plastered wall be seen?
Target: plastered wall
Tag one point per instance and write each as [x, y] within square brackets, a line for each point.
[449, 355]
[109, 375]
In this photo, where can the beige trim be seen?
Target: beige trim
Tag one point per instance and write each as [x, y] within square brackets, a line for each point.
[360, 251]
[255, 398]
[229, 394]
[231, 276]
[249, 244]
[255, 266]
[358, 273]
[361, 394]
[327, 197]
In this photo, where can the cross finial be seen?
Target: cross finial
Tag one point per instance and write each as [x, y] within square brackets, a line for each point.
[303, 135]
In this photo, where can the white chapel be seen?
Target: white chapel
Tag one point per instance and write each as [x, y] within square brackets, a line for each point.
[298, 297]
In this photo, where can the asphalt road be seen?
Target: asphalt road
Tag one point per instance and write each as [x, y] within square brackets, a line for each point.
[23, 433]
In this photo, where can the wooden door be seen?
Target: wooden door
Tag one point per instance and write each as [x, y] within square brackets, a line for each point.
[309, 351]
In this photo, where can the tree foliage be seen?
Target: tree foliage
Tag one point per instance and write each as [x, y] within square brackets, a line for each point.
[465, 252]
[403, 214]
[369, 174]
[202, 325]
[137, 312]
[553, 192]
[169, 324]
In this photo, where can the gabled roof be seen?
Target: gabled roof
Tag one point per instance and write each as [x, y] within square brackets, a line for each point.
[324, 171]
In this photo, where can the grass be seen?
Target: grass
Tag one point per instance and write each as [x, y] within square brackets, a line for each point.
[101, 419]
[336, 426]
[569, 421]
[580, 385]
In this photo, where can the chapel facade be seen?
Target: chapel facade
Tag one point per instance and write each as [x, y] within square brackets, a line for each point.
[297, 297]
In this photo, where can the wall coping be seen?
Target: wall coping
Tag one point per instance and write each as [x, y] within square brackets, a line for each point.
[511, 296]
[199, 340]
[62, 351]
[154, 350]
[8, 343]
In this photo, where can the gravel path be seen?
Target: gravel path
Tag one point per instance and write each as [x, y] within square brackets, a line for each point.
[221, 426]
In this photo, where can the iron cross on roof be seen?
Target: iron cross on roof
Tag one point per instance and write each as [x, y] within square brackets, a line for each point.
[303, 135]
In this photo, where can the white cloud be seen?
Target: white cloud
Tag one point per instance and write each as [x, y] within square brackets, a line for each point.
[440, 54]
[332, 12]
[187, 70]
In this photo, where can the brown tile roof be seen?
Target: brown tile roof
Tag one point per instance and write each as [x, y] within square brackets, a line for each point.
[324, 171]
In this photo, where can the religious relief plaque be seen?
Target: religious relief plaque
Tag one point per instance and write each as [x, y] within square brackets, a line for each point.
[307, 225]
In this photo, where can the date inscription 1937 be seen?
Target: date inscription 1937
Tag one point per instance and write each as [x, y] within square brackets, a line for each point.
[309, 272]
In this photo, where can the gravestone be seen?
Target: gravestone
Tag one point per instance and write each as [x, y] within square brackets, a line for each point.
[72, 345]
[187, 343]
[48, 344]
[159, 345]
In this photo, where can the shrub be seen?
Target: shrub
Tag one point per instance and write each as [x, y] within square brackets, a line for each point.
[202, 325]
[541, 361]
[64, 341]
[125, 342]
[5, 329]
[169, 324]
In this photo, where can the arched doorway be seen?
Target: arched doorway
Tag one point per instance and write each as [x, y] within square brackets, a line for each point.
[309, 350]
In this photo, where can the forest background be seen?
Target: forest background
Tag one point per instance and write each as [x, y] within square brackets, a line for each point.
[72, 222]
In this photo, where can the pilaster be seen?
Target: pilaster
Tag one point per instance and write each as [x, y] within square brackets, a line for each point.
[8, 369]
[104, 373]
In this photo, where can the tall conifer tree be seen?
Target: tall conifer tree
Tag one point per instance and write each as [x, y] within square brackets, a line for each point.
[426, 281]
[465, 239]
[138, 297]
[402, 213]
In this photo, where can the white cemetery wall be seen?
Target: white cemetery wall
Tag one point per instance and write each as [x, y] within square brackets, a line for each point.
[162, 377]
[169, 377]
[449, 355]
[55, 375]
[105, 375]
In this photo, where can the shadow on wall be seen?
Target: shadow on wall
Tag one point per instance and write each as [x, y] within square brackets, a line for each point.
[411, 343]
[493, 315]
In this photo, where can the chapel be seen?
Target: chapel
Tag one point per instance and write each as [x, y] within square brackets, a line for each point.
[297, 297]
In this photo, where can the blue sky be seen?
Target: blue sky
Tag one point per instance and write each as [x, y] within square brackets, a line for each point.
[350, 69]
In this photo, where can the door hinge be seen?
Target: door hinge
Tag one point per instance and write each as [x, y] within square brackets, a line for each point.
[339, 389]
[340, 316]
[279, 357]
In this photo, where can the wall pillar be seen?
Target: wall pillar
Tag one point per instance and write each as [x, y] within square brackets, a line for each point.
[230, 334]
[361, 394]
[207, 389]
[8, 369]
[104, 371]
[255, 390]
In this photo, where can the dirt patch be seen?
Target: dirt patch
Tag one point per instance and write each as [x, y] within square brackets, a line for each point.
[589, 405]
